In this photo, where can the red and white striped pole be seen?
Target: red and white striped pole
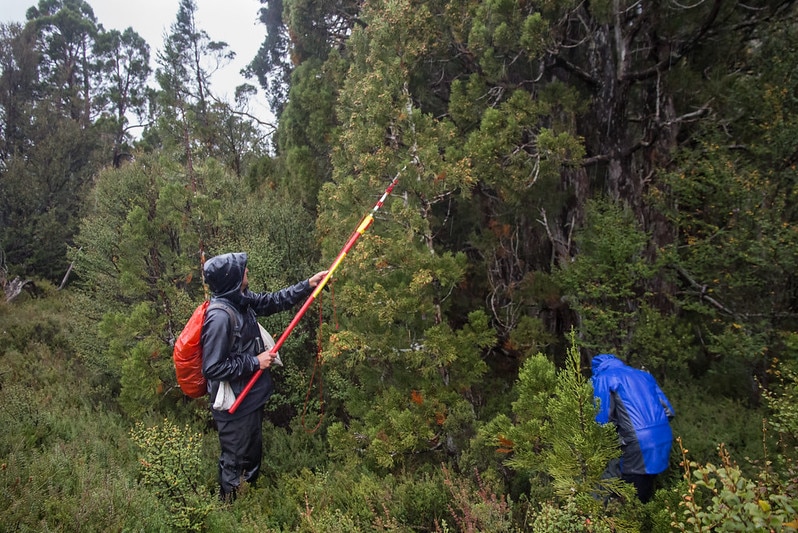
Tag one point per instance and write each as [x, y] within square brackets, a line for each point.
[362, 227]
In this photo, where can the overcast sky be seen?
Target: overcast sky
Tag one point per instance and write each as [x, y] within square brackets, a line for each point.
[232, 21]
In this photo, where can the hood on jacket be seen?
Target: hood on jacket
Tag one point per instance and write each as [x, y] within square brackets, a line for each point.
[603, 361]
[224, 273]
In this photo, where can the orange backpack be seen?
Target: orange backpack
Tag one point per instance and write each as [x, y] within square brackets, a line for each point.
[187, 354]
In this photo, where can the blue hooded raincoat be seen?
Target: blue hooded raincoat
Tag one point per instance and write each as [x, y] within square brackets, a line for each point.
[632, 400]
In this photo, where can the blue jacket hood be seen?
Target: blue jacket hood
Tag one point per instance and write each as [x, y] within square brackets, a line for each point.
[224, 274]
[605, 361]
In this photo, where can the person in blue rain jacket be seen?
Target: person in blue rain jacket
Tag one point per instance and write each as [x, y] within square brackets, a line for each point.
[633, 401]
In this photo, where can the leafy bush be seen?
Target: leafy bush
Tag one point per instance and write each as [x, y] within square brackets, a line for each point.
[662, 343]
[289, 451]
[308, 499]
[782, 397]
[169, 465]
[566, 517]
[721, 498]
[44, 319]
[81, 485]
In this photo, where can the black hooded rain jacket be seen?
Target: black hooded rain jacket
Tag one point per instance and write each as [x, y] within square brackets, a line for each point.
[225, 357]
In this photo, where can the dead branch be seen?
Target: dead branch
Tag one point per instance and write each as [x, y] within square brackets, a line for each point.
[703, 291]
[14, 287]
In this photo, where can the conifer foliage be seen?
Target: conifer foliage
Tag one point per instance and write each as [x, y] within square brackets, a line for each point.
[572, 178]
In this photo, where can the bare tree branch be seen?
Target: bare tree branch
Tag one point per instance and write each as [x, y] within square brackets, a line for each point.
[702, 291]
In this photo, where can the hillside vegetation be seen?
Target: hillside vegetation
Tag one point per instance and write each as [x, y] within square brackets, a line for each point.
[571, 179]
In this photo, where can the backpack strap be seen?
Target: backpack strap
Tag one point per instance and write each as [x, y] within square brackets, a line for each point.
[233, 314]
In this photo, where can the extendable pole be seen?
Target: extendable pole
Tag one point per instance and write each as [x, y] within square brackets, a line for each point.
[362, 227]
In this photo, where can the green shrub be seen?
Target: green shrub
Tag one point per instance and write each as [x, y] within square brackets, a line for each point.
[66, 465]
[67, 488]
[662, 343]
[721, 498]
[305, 498]
[44, 320]
[171, 458]
[565, 517]
[554, 437]
[781, 398]
[365, 500]
[420, 499]
[607, 283]
[704, 419]
[326, 521]
[289, 451]
[476, 506]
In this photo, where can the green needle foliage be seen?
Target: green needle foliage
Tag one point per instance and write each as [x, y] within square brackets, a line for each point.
[580, 449]
[170, 464]
[555, 434]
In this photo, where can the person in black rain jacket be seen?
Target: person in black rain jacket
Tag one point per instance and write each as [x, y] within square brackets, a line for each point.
[227, 357]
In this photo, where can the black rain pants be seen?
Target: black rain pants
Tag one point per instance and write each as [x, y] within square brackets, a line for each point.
[644, 484]
[241, 441]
